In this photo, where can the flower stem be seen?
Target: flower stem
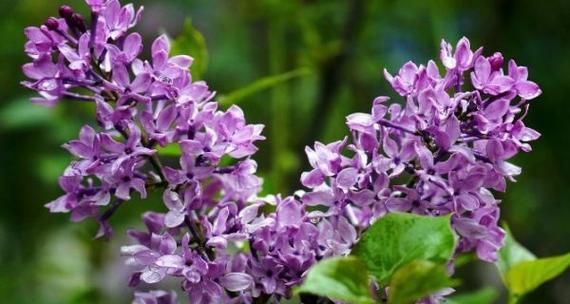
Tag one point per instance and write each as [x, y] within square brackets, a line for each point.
[389, 124]
[194, 230]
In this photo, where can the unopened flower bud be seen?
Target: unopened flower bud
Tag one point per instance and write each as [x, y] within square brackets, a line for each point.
[496, 61]
[65, 11]
[52, 23]
[78, 22]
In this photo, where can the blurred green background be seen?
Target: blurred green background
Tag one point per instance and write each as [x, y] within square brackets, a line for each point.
[340, 48]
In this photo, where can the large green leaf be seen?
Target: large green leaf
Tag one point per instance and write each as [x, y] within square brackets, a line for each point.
[191, 42]
[339, 278]
[417, 279]
[261, 84]
[528, 275]
[511, 254]
[400, 238]
[484, 296]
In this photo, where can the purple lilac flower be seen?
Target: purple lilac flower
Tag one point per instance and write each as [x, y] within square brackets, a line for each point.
[452, 145]
[155, 297]
[451, 140]
[140, 106]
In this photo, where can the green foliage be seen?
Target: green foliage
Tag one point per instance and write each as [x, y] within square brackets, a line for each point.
[399, 238]
[465, 258]
[528, 275]
[64, 280]
[339, 278]
[191, 42]
[522, 272]
[51, 166]
[511, 254]
[407, 251]
[21, 113]
[417, 280]
[170, 150]
[484, 296]
[262, 84]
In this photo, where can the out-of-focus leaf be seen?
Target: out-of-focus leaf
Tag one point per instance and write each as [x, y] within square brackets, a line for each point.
[192, 43]
[293, 300]
[268, 186]
[287, 161]
[51, 167]
[528, 275]
[511, 254]
[63, 276]
[22, 113]
[465, 258]
[522, 272]
[339, 278]
[484, 296]
[417, 279]
[262, 84]
[400, 238]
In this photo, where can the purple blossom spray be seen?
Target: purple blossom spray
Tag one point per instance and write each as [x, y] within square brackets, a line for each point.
[444, 150]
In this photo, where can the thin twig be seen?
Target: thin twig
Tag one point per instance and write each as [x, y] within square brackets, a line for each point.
[111, 210]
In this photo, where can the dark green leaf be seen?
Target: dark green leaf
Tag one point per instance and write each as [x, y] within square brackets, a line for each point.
[417, 279]
[339, 278]
[484, 296]
[192, 43]
[261, 84]
[400, 238]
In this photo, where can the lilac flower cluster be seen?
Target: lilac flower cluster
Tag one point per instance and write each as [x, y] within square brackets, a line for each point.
[442, 152]
[142, 106]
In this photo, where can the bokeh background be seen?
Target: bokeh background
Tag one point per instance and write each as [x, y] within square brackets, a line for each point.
[337, 50]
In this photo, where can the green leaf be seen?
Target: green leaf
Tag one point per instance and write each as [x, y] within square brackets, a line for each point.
[262, 84]
[339, 278]
[400, 238]
[191, 42]
[293, 300]
[417, 279]
[528, 275]
[170, 150]
[522, 272]
[465, 258]
[511, 254]
[484, 296]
